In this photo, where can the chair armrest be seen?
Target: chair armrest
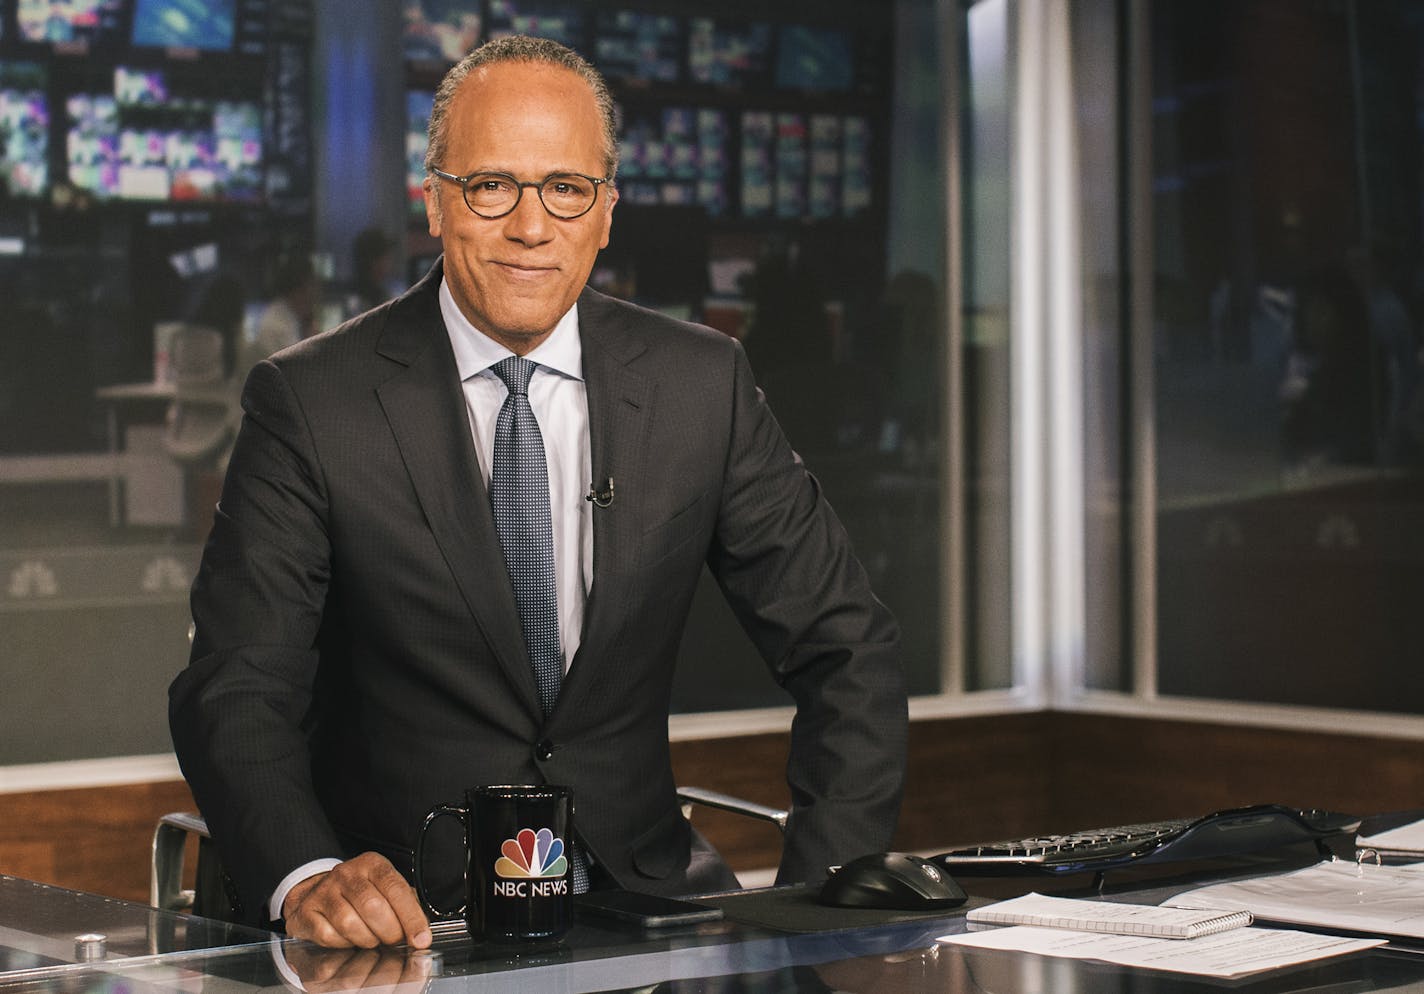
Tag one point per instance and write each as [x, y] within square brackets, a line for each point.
[726, 802]
[165, 880]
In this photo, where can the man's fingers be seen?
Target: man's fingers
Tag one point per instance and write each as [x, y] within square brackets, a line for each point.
[334, 923]
[337, 970]
[363, 902]
[410, 917]
[317, 967]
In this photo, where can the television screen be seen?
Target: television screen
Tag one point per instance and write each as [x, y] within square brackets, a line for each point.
[63, 22]
[790, 165]
[727, 54]
[417, 110]
[559, 21]
[202, 24]
[823, 195]
[758, 167]
[142, 173]
[237, 132]
[440, 31]
[142, 142]
[815, 59]
[712, 162]
[855, 158]
[636, 46]
[140, 87]
[92, 143]
[24, 128]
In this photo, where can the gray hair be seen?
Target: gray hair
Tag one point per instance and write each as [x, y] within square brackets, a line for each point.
[520, 48]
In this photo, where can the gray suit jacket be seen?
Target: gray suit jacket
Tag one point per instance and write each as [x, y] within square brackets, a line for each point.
[358, 655]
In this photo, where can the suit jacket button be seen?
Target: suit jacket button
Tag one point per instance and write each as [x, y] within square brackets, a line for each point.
[544, 750]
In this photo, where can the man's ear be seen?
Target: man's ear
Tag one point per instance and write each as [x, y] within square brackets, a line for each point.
[432, 205]
[612, 199]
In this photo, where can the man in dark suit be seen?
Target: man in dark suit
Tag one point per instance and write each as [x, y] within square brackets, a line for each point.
[360, 652]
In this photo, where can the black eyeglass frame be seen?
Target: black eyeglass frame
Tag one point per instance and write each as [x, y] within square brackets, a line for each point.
[464, 181]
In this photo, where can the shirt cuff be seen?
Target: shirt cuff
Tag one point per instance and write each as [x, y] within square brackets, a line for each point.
[274, 905]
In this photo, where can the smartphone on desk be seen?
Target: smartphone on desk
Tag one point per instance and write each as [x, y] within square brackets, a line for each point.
[647, 910]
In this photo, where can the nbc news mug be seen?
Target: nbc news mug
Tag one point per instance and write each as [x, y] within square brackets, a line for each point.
[517, 882]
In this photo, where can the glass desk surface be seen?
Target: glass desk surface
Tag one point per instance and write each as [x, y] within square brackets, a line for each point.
[166, 953]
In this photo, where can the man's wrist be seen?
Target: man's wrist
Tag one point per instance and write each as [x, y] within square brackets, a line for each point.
[303, 872]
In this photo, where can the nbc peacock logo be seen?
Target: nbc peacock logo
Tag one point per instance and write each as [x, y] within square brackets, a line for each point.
[532, 854]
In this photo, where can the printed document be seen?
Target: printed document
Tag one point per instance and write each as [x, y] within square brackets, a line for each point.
[1357, 897]
[1231, 954]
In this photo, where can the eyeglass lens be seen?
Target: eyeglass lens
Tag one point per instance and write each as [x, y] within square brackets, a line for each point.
[565, 195]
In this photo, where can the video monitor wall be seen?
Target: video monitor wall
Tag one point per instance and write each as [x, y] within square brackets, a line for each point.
[141, 141]
[741, 116]
[815, 60]
[723, 53]
[417, 115]
[101, 27]
[638, 46]
[439, 32]
[559, 20]
[642, 46]
[89, 23]
[207, 25]
[155, 100]
[24, 128]
[676, 156]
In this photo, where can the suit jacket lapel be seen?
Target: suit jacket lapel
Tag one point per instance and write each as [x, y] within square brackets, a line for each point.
[620, 403]
[425, 406]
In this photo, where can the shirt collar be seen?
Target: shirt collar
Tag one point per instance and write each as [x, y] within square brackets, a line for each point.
[475, 352]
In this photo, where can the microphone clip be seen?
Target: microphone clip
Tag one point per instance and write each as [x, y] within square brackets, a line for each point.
[600, 494]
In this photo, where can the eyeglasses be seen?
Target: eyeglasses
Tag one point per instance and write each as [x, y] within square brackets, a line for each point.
[493, 195]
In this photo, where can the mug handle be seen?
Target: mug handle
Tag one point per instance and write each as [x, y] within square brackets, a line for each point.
[454, 811]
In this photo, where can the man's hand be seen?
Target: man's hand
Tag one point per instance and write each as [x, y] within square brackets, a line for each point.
[372, 971]
[363, 902]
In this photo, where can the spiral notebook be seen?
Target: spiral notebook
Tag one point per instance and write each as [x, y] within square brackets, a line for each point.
[1104, 916]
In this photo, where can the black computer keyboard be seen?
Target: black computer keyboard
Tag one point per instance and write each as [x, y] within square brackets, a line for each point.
[1224, 833]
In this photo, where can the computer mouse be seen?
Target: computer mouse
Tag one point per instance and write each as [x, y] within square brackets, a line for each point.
[892, 880]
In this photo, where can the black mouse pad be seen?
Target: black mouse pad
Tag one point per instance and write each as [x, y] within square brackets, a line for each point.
[796, 909]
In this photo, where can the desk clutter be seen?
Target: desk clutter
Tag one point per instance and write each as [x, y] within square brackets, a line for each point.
[1356, 898]
[1347, 905]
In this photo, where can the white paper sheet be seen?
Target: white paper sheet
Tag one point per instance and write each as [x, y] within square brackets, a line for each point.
[1236, 953]
[1359, 897]
[1406, 838]
[1107, 916]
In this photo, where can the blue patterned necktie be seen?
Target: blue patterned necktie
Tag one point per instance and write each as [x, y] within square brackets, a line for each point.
[519, 495]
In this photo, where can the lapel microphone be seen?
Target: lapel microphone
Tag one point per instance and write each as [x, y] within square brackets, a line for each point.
[600, 494]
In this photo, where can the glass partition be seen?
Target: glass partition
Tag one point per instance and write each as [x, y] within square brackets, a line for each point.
[984, 369]
[806, 186]
[1289, 420]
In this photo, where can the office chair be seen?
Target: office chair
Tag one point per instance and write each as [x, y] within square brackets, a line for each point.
[202, 419]
[208, 896]
[690, 796]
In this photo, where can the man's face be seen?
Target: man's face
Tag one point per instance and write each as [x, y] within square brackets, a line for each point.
[515, 276]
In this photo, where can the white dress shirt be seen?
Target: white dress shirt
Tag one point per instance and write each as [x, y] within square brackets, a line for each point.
[560, 403]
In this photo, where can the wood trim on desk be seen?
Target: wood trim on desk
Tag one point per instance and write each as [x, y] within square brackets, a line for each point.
[970, 779]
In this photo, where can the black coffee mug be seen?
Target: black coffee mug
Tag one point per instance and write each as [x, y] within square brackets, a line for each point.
[517, 882]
